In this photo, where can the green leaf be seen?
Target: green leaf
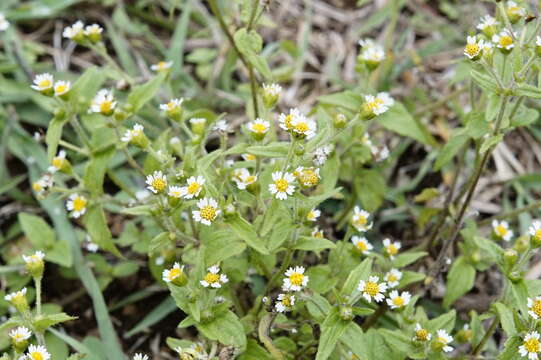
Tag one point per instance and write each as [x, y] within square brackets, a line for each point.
[246, 232]
[159, 242]
[520, 293]
[347, 99]
[490, 142]
[371, 187]
[510, 349]
[225, 328]
[313, 243]
[331, 330]
[86, 87]
[221, 245]
[95, 171]
[408, 257]
[125, 268]
[60, 254]
[361, 272]
[248, 42]
[460, 280]
[273, 150]
[399, 120]
[445, 321]
[37, 230]
[451, 148]
[528, 90]
[53, 136]
[144, 93]
[321, 279]
[484, 81]
[158, 313]
[142, 210]
[254, 351]
[96, 225]
[318, 306]
[506, 318]
[44, 321]
[397, 340]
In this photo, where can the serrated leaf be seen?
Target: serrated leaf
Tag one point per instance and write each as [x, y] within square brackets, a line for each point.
[510, 349]
[528, 90]
[95, 171]
[451, 148]
[445, 321]
[273, 150]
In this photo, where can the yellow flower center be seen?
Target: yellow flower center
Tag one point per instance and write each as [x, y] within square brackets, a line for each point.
[249, 157]
[208, 212]
[391, 249]
[398, 301]
[106, 107]
[37, 187]
[171, 105]
[442, 340]
[373, 105]
[506, 41]
[361, 245]
[159, 184]
[212, 278]
[79, 203]
[17, 337]
[259, 128]
[536, 307]
[472, 49]
[302, 127]
[36, 355]
[58, 162]
[537, 234]
[532, 345]
[45, 83]
[281, 185]
[421, 335]
[249, 179]
[287, 121]
[500, 230]
[371, 288]
[392, 278]
[309, 177]
[193, 188]
[286, 301]
[360, 221]
[60, 89]
[174, 273]
[296, 278]
[162, 65]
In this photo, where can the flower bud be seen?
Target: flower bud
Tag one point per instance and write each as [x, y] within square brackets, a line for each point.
[346, 313]
[19, 338]
[515, 276]
[18, 300]
[198, 125]
[120, 115]
[464, 335]
[340, 121]
[93, 33]
[521, 244]
[173, 109]
[271, 94]
[510, 257]
[34, 264]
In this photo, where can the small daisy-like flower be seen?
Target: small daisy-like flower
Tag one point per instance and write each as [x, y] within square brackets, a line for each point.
[135, 132]
[359, 220]
[172, 106]
[213, 278]
[488, 25]
[535, 230]
[248, 157]
[501, 230]
[20, 334]
[77, 205]
[92, 246]
[4, 24]
[93, 32]
[514, 11]
[161, 66]
[421, 334]
[175, 192]
[376, 105]
[59, 162]
[531, 346]
[313, 215]
[193, 187]
[371, 289]
[317, 233]
[504, 40]
[373, 55]
[308, 177]
[221, 126]
[157, 182]
[38, 352]
[303, 127]
[286, 121]
[443, 339]
[379, 153]
[208, 211]
[139, 356]
[285, 303]
[473, 48]
[396, 300]
[271, 94]
[243, 178]
[173, 274]
[362, 244]
[534, 307]
[282, 185]
[15, 295]
[295, 279]
[43, 82]
[42, 184]
[75, 31]
[61, 87]
[393, 277]
[391, 248]
[321, 154]
[259, 128]
[37, 257]
[103, 103]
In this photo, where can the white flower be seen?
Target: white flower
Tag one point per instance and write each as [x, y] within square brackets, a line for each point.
[198, 121]
[286, 121]
[377, 105]
[38, 352]
[77, 205]
[103, 103]
[248, 157]
[487, 21]
[43, 82]
[259, 126]
[4, 24]
[295, 279]
[362, 244]
[393, 277]
[473, 47]
[374, 54]
[359, 220]
[169, 275]
[317, 233]
[391, 248]
[193, 188]
[444, 339]
[421, 334]
[161, 66]
[172, 105]
[303, 126]
[282, 185]
[15, 295]
[535, 230]
[307, 176]
[214, 278]
[504, 40]
[538, 40]
[501, 230]
[285, 303]
[313, 215]
[243, 178]
[74, 30]
[140, 357]
[37, 257]
[272, 89]
[221, 126]
[58, 162]
[513, 9]
[175, 192]
[371, 289]
[379, 154]
[46, 181]
[534, 307]
[321, 154]
[132, 133]
[92, 246]
[208, 211]
[396, 300]
[531, 346]
[157, 182]
[20, 334]
[61, 87]
[93, 30]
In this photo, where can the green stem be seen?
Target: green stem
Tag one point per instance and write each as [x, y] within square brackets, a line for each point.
[492, 328]
[263, 331]
[37, 282]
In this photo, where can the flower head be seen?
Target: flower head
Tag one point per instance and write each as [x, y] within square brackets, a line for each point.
[77, 205]
[173, 108]
[243, 178]
[4, 24]
[313, 215]
[303, 127]
[42, 184]
[286, 120]
[361, 244]
[175, 192]
[37, 257]
[376, 105]
[393, 277]
[421, 334]
[488, 25]
[271, 94]
[321, 154]
[371, 54]
[74, 32]
[504, 40]
[307, 177]
[15, 295]
[285, 302]
[59, 162]
[372, 289]
[161, 66]
[282, 185]
[43, 83]
[193, 187]
[38, 352]
[248, 157]
[391, 248]
[317, 233]
[473, 48]
[514, 11]
[295, 279]
[175, 275]
[220, 126]
[93, 32]
[501, 230]
[61, 88]
[397, 300]
[208, 211]
[213, 278]
[442, 340]
[534, 307]
[20, 334]
[136, 136]
[359, 220]
[157, 182]
[535, 230]
[103, 103]
[531, 346]
[139, 356]
[259, 128]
